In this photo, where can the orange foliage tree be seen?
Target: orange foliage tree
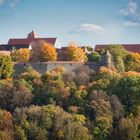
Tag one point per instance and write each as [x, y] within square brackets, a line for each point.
[131, 73]
[43, 51]
[75, 53]
[48, 52]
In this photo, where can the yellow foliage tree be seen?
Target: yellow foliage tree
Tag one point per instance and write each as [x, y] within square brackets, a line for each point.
[105, 72]
[132, 62]
[75, 53]
[48, 52]
[21, 55]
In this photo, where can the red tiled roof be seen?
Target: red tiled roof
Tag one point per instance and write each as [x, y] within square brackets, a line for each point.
[27, 41]
[129, 47]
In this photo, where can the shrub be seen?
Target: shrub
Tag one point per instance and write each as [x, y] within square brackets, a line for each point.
[6, 66]
[94, 56]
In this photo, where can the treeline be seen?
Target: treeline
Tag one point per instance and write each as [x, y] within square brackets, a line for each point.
[72, 105]
[122, 60]
[42, 52]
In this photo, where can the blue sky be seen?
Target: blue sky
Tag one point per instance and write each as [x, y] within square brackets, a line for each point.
[88, 22]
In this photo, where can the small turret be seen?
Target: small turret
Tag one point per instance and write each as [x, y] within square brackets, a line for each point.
[106, 59]
[32, 35]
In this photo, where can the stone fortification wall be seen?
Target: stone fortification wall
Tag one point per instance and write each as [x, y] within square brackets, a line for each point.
[47, 66]
[68, 65]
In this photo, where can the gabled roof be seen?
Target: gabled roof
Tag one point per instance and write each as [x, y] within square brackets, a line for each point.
[129, 47]
[28, 41]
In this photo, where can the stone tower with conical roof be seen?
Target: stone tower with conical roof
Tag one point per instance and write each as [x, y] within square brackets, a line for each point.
[106, 59]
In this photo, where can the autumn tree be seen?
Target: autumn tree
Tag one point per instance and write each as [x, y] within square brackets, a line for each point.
[70, 127]
[99, 106]
[76, 53]
[30, 78]
[82, 75]
[35, 122]
[78, 97]
[99, 109]
[19, 133]
[21, 55]
[108, 73]
[116, 50]
[48, 52]
[6, 66]
[79, 76]
[117, 108]
[43, 51]
[102, 128]
[128, 90]
[14, 96]
[131, 73]
[118, 53]
[54, 87]
[6, 125]
[128, 129]
[132, 62]
[68, 77]
[29, 73]
[106, 79]
[119, 64]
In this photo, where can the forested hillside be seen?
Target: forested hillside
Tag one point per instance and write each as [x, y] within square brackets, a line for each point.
[72, 105]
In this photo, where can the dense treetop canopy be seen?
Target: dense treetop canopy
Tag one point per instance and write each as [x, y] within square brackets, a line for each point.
[81, 104]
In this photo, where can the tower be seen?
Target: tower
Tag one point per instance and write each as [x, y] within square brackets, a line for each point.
[106, 59]
[32, 35]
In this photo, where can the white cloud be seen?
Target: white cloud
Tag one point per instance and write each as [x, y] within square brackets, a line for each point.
[90, 28]
[131, 13]
[131, 24]
[132, 8]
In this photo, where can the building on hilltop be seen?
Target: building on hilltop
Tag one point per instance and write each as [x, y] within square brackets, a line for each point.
[18, 43]
[129, 47]
[33, 39]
